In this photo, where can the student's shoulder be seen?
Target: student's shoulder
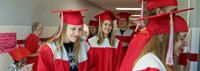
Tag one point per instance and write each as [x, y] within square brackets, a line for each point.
[45, 47]
[149, 60]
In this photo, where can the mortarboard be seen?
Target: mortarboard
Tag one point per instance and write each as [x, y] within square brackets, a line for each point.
[106, 15]
[160, 24]
[72, 17]
[124, 15]
[19, 53]
[94, 23]
[167, 23]
[164, 14]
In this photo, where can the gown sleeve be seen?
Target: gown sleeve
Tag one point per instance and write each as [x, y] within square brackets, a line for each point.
[45, 59]
[134, 49]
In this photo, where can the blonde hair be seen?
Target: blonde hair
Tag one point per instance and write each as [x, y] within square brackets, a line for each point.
[61, 39]
[158, 47]
[101, 36]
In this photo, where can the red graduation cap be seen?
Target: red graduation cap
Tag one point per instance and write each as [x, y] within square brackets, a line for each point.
[94, 23]
[124, 15]
[106, 15]
[164, 14]
[73, 17]
[160, 24]
[19, 53]
[151, 4]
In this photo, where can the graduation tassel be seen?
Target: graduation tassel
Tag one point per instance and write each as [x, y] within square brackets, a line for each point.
[169, 57]
[141, 22]
[99, 24]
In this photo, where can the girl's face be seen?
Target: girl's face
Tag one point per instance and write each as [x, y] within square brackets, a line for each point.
[73, 32]
[93, 30]
[180, 43]
[106, 27]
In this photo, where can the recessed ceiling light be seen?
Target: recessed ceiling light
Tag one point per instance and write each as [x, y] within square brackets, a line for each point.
[128, 8]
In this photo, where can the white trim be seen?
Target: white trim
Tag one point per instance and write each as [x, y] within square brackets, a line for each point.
[149, 60]
[105, 43]
[128, 32]
[58, 53]
[82, 56]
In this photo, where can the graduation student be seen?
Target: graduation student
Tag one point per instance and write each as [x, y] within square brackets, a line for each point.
[124, 33]
[66, 51]
[94, 28]
[105, 53]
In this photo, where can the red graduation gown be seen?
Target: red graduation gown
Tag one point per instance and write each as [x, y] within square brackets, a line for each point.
[104, 57]
[32, 43]
[49, 60]
[134, 49]
[125, 37]
[149, 62]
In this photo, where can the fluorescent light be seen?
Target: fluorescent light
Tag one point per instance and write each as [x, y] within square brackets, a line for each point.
[128, 8]
[135, 15]
[133, 18]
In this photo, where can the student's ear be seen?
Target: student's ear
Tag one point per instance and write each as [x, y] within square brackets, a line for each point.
[161, 37]
[158, 11]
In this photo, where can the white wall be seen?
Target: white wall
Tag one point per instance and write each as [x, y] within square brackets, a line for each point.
[194, 31]
[183, 4]
[18, 15]
[195, 34]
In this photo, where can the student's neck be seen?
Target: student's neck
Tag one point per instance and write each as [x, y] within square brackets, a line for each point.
[123, 28]
[105, 35]
[67, 41]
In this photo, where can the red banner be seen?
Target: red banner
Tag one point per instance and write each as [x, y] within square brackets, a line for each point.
[7, 42]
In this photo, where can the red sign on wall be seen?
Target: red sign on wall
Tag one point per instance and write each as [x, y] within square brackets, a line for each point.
[7, 42]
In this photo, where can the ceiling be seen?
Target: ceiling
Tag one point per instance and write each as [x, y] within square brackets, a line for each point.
[112, 4]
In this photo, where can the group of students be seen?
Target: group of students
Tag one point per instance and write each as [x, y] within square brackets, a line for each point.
[155, 48]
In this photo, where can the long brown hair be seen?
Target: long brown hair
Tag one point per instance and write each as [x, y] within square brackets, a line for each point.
[61, 40]
[158, 47]
[101, 36]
